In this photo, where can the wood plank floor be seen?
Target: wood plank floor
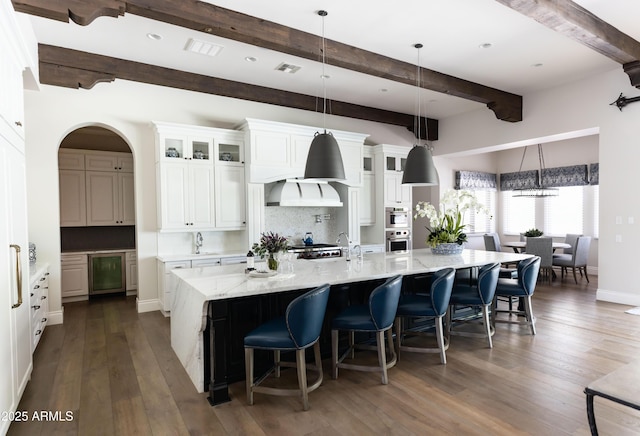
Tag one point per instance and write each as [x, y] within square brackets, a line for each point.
[114, 369]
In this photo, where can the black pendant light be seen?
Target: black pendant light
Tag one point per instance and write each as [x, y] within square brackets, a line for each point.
[419, 169]
[324, 160]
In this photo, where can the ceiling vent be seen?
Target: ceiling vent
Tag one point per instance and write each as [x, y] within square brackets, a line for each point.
[202, 47]
[288, 68]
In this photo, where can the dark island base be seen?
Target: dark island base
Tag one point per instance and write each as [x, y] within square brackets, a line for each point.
[228, 322]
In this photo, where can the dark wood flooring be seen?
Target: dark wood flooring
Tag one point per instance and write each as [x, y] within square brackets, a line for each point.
[115, 371]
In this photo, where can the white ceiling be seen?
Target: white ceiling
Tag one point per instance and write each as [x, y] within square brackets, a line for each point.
[451, 31]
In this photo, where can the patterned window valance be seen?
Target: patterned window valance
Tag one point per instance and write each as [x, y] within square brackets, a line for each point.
[575, 175]
[475, 180]
[519, 180]
[594, 173]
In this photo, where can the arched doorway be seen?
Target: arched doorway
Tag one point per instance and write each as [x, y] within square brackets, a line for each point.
[97, 215]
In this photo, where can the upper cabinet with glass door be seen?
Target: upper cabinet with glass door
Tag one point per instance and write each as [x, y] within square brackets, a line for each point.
[228, 147]
[178, 142]
[395, 162]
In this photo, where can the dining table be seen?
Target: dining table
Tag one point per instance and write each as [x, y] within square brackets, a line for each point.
[519, 246]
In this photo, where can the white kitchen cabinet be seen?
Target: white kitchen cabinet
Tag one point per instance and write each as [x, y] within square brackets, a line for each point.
[278, 151]
[39, 302]
[368, 190]
[395, 192]
[110, 198]
[186, 196]
[100, 161]
[75, 275]
[131, 272]
[69, 159]
[230, 197]
[73, 202]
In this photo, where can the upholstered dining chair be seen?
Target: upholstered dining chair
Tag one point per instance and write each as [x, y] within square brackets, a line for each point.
[434, 305]
[492, 243]
[571, 239]
[480, 294]
[542, 247]
[522, 287]
[577, 260]
[375, 317]
[296, 331]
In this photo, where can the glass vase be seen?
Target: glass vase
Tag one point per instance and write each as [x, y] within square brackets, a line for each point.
[273, 261]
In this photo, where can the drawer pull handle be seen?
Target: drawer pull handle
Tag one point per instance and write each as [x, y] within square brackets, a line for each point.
[36, 307]
[44, 319]
[38, 332]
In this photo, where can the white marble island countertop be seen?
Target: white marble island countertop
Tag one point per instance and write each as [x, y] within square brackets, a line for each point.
[197, 286]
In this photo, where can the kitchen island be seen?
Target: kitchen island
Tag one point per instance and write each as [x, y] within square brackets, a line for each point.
[215, 306]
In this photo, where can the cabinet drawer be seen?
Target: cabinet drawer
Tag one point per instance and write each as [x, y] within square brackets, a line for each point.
[73, 259]
[205, 262]
[168, 266]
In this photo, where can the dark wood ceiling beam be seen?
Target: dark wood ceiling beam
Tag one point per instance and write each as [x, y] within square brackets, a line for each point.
[204, 17]
[75, 69]
[577, 23]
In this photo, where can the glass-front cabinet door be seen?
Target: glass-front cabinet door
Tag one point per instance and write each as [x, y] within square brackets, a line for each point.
[395, 163]
[186, 148]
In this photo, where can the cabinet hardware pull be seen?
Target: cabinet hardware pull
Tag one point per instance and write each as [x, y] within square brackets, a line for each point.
[36, 287]
[36, 307]
[18, 276]
[44, 297]
[19, 123]
[44, 319]
[42, 279]
[38, 332]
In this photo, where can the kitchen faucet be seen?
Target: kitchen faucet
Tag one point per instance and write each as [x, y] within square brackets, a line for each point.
[348, 244]
[358, 250]
[199, 242]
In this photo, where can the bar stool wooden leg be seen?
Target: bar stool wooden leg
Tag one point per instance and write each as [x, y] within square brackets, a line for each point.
[302, 377]
[334, 354]
[382, 356]
[276, 361]
[248, 358]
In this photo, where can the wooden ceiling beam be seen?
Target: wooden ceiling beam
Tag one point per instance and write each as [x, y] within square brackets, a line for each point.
[208, 18]
[577, 23]
[76, 69]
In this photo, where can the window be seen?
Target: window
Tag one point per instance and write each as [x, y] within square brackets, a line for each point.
[519, 213]
[595, 209]
[481, 222]
[564, 214]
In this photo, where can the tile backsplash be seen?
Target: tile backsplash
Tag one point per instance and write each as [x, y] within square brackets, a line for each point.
[294, 222]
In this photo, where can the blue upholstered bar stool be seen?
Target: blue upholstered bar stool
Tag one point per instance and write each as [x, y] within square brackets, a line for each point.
[481, 294]
[296, 331]
[522, 287]
[433, 305]
[375, 317]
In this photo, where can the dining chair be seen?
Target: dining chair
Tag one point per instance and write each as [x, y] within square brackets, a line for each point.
[492, 243]
[570, 239]
[543, 248]
[375, 317]
[522, 287]
[577, 260]
[296, 331]
[432, 305]
[478, 294]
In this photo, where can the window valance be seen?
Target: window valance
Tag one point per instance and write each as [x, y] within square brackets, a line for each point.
[574, 175]
[473, 180]
[594, 174]
[519, 180]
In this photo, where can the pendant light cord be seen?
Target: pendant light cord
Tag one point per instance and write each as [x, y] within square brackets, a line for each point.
[324, 76]
[417, 121]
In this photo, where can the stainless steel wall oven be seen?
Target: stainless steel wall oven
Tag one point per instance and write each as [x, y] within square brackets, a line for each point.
[398, 240]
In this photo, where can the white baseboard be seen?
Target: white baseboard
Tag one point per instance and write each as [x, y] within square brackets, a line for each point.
[148, 305]
[618, 297]
[56, 317]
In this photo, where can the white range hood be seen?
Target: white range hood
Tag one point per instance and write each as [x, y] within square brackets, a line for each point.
[300, 192]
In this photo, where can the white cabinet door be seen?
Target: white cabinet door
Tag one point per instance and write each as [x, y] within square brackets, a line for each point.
[126, 199]
[73, 206]
[368, 200]
[395, 192]
[101, 162]
[200, 194]
[102, 198]
[230, 190]
[70, 160]
[174, 196]
[15, 360]
[131, 274]
[75, 275]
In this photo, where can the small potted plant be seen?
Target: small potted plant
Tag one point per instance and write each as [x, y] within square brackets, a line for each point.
[533, 233]
[270, 244]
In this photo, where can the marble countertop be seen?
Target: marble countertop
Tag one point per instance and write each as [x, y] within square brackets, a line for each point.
[192, 256]
[230, 281]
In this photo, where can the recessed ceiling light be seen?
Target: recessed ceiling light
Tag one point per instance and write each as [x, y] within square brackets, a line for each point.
[325, 76]
[383, 90]
[539, 64]
[154, 36]
[250, 59]
[202, 47]
[485, 45]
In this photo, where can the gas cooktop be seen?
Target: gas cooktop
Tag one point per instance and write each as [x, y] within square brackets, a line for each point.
[316, 251]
